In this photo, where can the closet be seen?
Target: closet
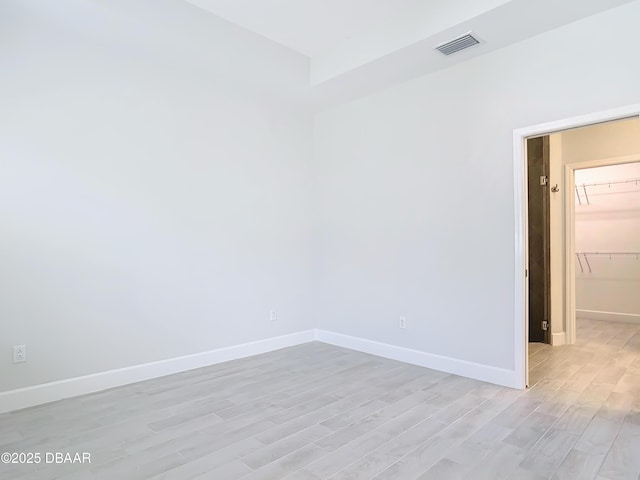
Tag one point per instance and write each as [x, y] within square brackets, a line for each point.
[607, 243]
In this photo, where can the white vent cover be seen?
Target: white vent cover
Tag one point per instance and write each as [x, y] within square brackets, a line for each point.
[460, 43]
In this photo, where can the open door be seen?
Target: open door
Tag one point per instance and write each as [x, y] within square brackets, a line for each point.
[539, 265]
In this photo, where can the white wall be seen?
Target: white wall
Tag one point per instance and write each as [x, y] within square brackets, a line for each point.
[154, 186]
[610, 222]
[597, 142]
[557, 287]
[415, 184]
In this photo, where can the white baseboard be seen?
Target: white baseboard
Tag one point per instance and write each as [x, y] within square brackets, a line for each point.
[558, 339]
[608, 316]
[463, 368]
[53, 391]
[72, 387]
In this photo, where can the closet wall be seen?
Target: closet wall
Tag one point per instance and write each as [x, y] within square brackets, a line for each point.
[607, 236]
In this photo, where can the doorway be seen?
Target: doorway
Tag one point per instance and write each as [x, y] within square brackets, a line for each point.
[521, 271]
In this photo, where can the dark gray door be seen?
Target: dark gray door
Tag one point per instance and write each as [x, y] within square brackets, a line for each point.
[539, 266]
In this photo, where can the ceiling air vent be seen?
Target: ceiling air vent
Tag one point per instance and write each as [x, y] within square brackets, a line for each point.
[460, 43]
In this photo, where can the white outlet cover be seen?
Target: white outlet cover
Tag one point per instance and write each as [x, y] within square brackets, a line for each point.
[19, 354]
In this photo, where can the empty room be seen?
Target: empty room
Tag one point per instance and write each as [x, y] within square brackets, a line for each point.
[319, 239]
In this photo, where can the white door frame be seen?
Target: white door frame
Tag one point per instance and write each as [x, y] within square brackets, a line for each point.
[570, 234]
[521, 294]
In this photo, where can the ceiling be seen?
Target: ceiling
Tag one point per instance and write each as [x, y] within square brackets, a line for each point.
[374, 43]
[338, 35]
[317, 27]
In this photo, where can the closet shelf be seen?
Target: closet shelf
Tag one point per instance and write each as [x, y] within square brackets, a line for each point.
[609, 253]
[582, 195]
[586, 255]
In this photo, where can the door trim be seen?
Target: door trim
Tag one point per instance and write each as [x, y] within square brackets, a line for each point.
[521, 300]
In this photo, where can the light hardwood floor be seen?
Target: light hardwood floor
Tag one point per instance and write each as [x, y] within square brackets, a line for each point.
[320, 412]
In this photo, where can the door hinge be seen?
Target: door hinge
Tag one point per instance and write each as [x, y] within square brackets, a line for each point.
[545, 325]
[526, 272]
[544, 180]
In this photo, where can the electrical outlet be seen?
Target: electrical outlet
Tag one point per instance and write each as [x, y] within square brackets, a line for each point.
[273, 315]
[19, 353]
[403, 322]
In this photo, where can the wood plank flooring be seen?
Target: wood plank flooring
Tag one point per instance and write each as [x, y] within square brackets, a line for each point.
[316, 412]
